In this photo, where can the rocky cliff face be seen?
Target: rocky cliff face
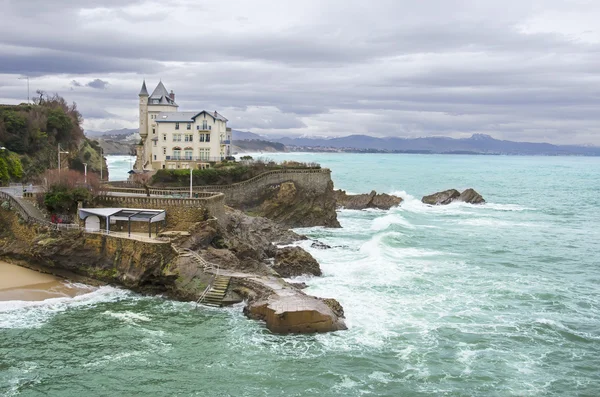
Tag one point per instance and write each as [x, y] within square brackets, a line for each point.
[290, 205]
[381, 201]
[241, 245]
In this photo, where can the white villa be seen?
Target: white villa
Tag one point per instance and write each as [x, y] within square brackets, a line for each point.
[173, 139]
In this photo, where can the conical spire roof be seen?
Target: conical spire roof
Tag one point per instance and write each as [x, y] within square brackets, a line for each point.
[160, 91]
[144, 91]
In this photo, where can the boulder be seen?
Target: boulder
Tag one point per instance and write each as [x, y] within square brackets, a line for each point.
[363, 201]
[297, 313]
[441, 198]
[471, 196]
[294, 261]
[319, 245]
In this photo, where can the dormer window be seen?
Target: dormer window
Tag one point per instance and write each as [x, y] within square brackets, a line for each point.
[176, 126]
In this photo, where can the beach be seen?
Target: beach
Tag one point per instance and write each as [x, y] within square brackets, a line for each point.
[19, 283]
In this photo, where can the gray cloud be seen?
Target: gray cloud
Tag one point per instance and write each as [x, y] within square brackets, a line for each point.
[98, 84]
[516, 70]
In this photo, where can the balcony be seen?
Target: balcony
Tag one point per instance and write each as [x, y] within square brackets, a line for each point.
[225, 141]
[194, 158]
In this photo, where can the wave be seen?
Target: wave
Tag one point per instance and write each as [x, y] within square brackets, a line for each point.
[34, 314]
[385, 222]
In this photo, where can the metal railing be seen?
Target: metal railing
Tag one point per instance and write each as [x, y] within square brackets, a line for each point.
[194, 158]
[207, 266]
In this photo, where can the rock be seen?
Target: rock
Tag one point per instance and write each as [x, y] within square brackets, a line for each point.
[385, 201]
[335, 306]
[294, 261]
[292, 206]
[363, 201]
[319, 245]
[299, 285]
[296, 313]
[471, 196]
[441, 198]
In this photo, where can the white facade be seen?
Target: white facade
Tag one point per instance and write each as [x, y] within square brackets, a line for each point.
[173, 139]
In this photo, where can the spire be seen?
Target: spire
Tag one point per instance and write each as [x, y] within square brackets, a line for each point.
[144, 91]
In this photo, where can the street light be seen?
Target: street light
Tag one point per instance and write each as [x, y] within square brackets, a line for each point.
[85, 173]
[101, 163]
[59, 153]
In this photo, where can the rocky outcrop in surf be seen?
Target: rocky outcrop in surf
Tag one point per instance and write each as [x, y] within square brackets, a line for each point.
[380, 201]
[294, 261]
[448, 196]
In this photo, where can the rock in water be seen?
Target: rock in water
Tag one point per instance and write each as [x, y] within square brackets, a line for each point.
[362, 201]
[471, 196]
[297, 313]
[441, 198]
[319, 245]
[294, 261]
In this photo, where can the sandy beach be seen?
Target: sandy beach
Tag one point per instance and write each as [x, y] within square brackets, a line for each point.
[19, 283]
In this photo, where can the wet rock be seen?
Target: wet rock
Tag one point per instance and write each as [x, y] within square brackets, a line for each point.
[299, 285]
[294, 261]
[319, 245]
[471, 196]
[335, 306]
[441, 198]
[363, 201]
[298, 313]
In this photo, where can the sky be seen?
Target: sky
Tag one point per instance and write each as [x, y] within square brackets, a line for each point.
[523, 70]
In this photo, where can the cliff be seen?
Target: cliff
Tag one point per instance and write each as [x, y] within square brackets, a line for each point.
[240, 246]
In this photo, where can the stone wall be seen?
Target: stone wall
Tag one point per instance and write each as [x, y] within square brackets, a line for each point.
[181, 213]
[247, 194]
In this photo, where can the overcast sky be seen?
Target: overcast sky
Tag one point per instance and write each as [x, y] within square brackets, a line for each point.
[515, 69]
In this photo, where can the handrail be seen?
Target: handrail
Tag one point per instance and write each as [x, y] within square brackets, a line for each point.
[209, 267]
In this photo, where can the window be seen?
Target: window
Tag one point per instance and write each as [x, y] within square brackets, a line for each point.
[164, 137]
[207, 137]
[153, 131]
[189, 126]
[198, 128]
[210, 127]
[204, 154]
[176, 137]
[176, 154]
[189, 153]
[164, 150]
[176, 126]
[154, 157]
[189, 137]
[154, 143]
[201, 139]
[204, 125]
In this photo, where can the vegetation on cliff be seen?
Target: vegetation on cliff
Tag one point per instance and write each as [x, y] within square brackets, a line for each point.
[224, 173]
[31, 132]
[65, 189]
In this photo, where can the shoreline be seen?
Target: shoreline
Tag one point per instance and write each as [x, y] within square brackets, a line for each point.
[22, 284]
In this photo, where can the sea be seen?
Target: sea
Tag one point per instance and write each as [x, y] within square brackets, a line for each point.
[500, 299]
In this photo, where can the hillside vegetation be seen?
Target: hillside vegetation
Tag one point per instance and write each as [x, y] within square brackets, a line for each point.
[31, 133]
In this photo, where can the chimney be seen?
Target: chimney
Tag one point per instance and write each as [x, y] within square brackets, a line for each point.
[172, 96]
[215, 114]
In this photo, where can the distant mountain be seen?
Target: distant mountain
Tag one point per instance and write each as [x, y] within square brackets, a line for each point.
[122, 131]
[476, 144]
[245, 136]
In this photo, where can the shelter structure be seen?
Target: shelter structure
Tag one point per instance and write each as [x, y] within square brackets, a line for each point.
[92, 217]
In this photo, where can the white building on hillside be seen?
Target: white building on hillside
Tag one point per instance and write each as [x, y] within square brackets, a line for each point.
[173, 139]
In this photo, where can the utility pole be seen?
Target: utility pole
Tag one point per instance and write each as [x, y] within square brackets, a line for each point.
[59, 153]
[85, 173]
[101, 163]
[26, 78]
[191, 169]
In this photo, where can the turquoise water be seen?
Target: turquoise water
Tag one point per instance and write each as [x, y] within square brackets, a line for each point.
[118, 166]
[493, 300]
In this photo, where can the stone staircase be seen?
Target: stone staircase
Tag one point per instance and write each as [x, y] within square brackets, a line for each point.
[216, 290]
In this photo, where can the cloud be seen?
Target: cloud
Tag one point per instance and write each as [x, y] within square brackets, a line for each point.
[515, 70]
[98, 84]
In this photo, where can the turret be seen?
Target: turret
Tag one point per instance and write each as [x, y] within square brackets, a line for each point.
[143, 110]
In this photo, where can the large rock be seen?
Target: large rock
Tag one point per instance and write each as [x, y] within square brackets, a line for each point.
[290, 205]
[297, 313]
[441, 198]
[294, 261]
[471, 196]
[363, 201]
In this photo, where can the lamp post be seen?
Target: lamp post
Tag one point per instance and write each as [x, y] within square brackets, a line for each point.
[59, 153]
[26, 78]
[191, 172]
[101, 163]
[85, 173]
